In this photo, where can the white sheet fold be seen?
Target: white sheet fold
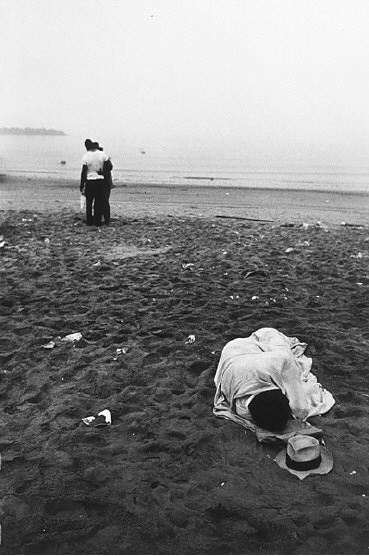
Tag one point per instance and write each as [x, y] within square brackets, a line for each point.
[265, 360]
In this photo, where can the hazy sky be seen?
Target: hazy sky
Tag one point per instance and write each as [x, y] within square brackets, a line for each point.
[284, 75]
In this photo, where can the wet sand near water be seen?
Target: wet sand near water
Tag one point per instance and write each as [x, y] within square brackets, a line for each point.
[167, 477]
[332, 208]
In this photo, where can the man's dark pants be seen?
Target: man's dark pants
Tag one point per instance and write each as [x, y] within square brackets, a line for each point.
[95, 201]
[108, 183]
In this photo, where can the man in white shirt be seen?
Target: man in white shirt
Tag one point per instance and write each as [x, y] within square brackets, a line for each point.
[92, 182]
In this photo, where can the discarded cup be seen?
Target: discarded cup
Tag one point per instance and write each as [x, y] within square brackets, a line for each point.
[107, 416]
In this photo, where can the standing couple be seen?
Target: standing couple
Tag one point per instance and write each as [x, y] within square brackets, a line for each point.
[96, 183]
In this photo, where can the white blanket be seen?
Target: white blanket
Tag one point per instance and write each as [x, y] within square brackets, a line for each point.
[264, 361]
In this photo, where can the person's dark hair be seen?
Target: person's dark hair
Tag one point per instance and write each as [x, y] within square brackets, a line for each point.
[270, 410]
[88, 144]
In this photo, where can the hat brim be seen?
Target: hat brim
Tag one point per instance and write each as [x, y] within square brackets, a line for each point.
[325, 467]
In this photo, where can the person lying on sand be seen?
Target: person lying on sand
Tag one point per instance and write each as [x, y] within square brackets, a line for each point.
[265, 379]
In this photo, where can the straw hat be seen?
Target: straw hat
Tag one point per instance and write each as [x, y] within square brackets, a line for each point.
[305, 456]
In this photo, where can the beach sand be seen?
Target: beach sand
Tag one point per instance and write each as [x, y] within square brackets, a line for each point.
[128, 200]
[167, 476]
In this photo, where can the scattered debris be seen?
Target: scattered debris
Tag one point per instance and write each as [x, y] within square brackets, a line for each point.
[243, 218]
[321, 226]
[187, 265]
[102, 419]
[351, 225]
[191, 339]
[88, 420]
[254, 298]
[256, 272]
[50, 345]
[76, 337]
[303, 244]
[120, 351]
[3, 243]
[358, 256]
[97, 264]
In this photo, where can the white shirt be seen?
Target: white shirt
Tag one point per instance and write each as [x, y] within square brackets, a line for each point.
[94, 160]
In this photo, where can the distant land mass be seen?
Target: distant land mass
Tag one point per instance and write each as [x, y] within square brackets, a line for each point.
[29, 131]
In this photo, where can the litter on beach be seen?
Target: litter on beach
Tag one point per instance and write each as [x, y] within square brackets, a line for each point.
[76, 337]
[120, 351]
[257, 273]
[50, 345]
[102, 419]
[88, 420]
[191, 339]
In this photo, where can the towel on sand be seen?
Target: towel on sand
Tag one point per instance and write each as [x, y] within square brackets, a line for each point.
[264, 361]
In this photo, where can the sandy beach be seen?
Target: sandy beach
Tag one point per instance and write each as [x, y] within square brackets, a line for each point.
[167, 476]
[289, 206]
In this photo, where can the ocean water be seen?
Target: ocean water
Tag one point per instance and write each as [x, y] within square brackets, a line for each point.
[43, 155]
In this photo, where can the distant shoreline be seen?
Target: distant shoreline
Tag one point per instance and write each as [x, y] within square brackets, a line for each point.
[29, 131]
